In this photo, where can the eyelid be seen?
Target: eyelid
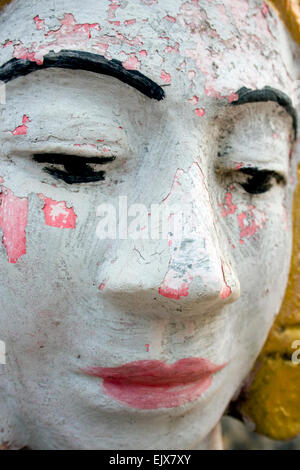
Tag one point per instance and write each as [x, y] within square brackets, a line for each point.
[75, 169]
[62, 159]
[246, 169]
[105, 149]
[268, 95]
[280, 178]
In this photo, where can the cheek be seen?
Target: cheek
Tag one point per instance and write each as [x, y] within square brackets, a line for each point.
[259, 241]
[14, 213]
[246, 220]
[250, 221]
[260, 245]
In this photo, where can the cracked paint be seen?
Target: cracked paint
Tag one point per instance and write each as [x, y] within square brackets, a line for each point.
[194, 100]
[39, 23]
[191, 16]
[250, 222]
[13, 222]
[166, 77]
[228, 207]
[22, 130]
[131, 63]
[170, 18]
[129, 22]
[200, 112]
[57, 214]
[193, 253]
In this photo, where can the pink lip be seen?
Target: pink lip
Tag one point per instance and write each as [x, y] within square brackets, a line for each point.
[155, 384]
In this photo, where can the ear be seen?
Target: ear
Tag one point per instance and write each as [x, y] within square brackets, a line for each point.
[269, 402]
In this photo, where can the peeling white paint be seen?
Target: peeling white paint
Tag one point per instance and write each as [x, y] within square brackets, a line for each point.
[74, 301]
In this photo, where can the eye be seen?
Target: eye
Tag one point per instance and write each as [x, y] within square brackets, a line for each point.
[73, 169]
[260, 181]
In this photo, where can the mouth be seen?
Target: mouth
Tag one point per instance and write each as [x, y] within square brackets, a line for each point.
[155, 384]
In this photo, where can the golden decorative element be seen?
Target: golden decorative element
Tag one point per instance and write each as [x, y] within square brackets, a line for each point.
[4, 2]
[272, 400]
[289, 12]
[4, 446]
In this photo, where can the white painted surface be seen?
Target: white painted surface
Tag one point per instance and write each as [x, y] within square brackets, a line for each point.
[54, 319]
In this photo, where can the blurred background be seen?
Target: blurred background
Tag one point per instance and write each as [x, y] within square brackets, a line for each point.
[237, 437]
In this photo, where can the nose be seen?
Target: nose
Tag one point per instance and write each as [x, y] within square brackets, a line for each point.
[187, 269]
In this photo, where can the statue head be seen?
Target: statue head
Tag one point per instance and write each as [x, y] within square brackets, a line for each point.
[148, 163]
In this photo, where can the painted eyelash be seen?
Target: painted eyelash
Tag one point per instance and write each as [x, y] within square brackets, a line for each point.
[77, 169]
[252, 180]
[260, 181]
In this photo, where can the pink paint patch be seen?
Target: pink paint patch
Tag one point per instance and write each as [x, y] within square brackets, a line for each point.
[13, 222]
[102, 285]
[170, 18]
[22, 130]
[173, 293]
[131, 63]
[170, 49]
[114, 5]
[7, 43]
[210, 91]
[70, 29]
[265, 9]
[250, 222]
[232, 97]
[21, 52]
[68, 35]
[57, 214]
[238, 165]
[245, 230]
[143, 53]
[166, 77]
[226, 290]
[39, 23]
[194, 100]
[200, 112]
[228, 207]
[129, 22]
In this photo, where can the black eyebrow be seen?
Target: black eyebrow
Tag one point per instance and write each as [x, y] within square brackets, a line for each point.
[80, 60]
[246, 95]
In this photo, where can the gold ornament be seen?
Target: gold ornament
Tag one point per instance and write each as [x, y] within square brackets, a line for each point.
[289, 12]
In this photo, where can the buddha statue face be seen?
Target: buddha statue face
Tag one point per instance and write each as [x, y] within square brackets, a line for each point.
[119, 335]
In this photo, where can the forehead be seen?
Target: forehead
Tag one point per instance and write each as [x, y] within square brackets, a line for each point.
[192, 46]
